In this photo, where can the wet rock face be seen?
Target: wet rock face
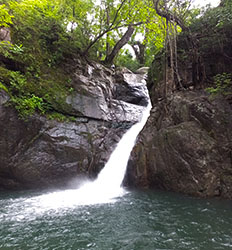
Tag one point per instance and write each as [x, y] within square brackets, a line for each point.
[46, 153]
[186, 147]
[15, 136]
[106, 95]
[131, 88]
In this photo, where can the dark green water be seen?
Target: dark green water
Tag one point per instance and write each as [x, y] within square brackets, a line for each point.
[137, 220]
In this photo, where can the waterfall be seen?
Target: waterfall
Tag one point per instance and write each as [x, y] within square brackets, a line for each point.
[107, 187]
[111, 177]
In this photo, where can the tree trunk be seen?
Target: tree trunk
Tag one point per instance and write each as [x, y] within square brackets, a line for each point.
[107, 34]
[193, 46]
[123, 41]
[139, 52]
[111, 27]
[169, 38]
[177, 75]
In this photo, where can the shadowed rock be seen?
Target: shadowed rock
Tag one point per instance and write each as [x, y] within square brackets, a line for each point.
[46, 153]
[186, 147]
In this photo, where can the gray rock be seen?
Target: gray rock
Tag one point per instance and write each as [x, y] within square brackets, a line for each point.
[4, 97]
[131, 88]
[103, 95]
[186, 147]
[63, 151]
[5, 34]
[42, 153]
[88, 106]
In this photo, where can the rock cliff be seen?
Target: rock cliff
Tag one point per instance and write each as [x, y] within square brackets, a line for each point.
[44, 153]
[186, 146]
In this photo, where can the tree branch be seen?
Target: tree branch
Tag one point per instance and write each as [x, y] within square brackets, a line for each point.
[110, 28]
[168, 15]
[123, 41]
[106, 31]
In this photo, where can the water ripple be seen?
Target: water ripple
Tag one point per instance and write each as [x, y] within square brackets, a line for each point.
[135, 221]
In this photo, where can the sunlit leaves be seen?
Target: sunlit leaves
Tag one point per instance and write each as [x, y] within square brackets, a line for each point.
[105, 21]
[5, 17]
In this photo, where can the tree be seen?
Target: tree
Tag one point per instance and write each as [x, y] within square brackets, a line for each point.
[123, 41]
[115, 16]
[176, 14]
[139, 49]
[148, 37]
[105, 25]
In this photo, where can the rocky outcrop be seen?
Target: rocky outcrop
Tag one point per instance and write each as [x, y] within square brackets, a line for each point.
[105, 95]
[43, 153]
[185, 147]
[5, 34]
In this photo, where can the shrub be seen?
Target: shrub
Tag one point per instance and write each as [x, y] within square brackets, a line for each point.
[27, 105]
[222, 84]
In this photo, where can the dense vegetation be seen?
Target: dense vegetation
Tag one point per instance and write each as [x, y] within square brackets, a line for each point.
[199, 57]
[45, 35]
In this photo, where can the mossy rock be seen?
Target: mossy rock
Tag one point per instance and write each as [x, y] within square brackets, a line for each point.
[4, 75]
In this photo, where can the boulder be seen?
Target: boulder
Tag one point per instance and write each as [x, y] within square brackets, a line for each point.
[185, 147]
[5, 34]
[102, 94]
[131, 88]
[40, 153]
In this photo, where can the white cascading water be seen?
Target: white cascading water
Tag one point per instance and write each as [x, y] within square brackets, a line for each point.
[104, 189]
[107, 186]
[112, 175]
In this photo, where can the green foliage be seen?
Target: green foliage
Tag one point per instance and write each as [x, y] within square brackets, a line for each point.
[31, 93]
[156, 71]
[5, 17]
[40, 35]
[42, 44]
[17, 82]
[40, 30]
[57, 116]
[27, 105]
[4, 75]
[222, 85]
[39, 47]
[36, 27]
[2, 86]
[60, 117]
[11, 51]
[206, 45]
[24, 102]
[213, 24]
[125, 59]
